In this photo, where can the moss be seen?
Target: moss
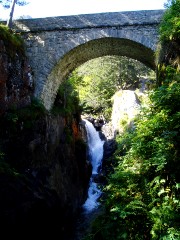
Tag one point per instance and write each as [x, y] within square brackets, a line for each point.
[13, 42]
[15, 119]
[68, 135]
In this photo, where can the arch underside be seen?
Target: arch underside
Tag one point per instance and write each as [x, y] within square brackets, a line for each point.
[94, 49]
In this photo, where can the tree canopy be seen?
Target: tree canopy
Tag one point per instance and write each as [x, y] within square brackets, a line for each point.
[170, 25]
[11, 5]
[98, 79]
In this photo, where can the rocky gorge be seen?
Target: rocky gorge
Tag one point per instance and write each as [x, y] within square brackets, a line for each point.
[44, 172]
[44, 168]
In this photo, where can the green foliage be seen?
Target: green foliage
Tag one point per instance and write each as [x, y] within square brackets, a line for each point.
[13, 42]
[31, 113]
[97, 81]
[170, 25]
[168, 53]
[23, 118]
[68, 135]
[67, 99]
[167, 96]
[142, 195]
[7, 3]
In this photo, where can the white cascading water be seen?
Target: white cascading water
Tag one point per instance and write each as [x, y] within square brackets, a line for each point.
[95, 146]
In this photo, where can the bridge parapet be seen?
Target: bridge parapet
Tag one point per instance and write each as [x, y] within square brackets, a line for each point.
[99, 20]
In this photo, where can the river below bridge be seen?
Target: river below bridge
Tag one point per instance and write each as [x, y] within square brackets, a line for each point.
[92, 207]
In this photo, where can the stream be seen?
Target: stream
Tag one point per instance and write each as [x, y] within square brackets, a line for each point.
[91, 207]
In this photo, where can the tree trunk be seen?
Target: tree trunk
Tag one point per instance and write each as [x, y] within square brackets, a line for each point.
[9, 22]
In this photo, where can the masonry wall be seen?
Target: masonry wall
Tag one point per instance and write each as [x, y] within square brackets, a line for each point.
[55, 46]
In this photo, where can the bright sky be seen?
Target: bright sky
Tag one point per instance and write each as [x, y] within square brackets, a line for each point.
[49, 8]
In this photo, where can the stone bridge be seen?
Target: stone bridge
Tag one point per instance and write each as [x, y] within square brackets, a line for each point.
[55, 46]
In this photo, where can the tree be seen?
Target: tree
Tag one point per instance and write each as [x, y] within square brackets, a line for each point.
[11, 4]
[169, 47]
[101, 77]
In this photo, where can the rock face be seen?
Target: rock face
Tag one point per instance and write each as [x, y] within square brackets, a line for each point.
[15, 80]
[125, 107]
[44, 173]
[51, 180]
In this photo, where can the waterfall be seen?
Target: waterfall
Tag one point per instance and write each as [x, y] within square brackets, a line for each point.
[95, 153]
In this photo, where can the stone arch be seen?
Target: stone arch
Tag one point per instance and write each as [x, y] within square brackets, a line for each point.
[87, 51]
